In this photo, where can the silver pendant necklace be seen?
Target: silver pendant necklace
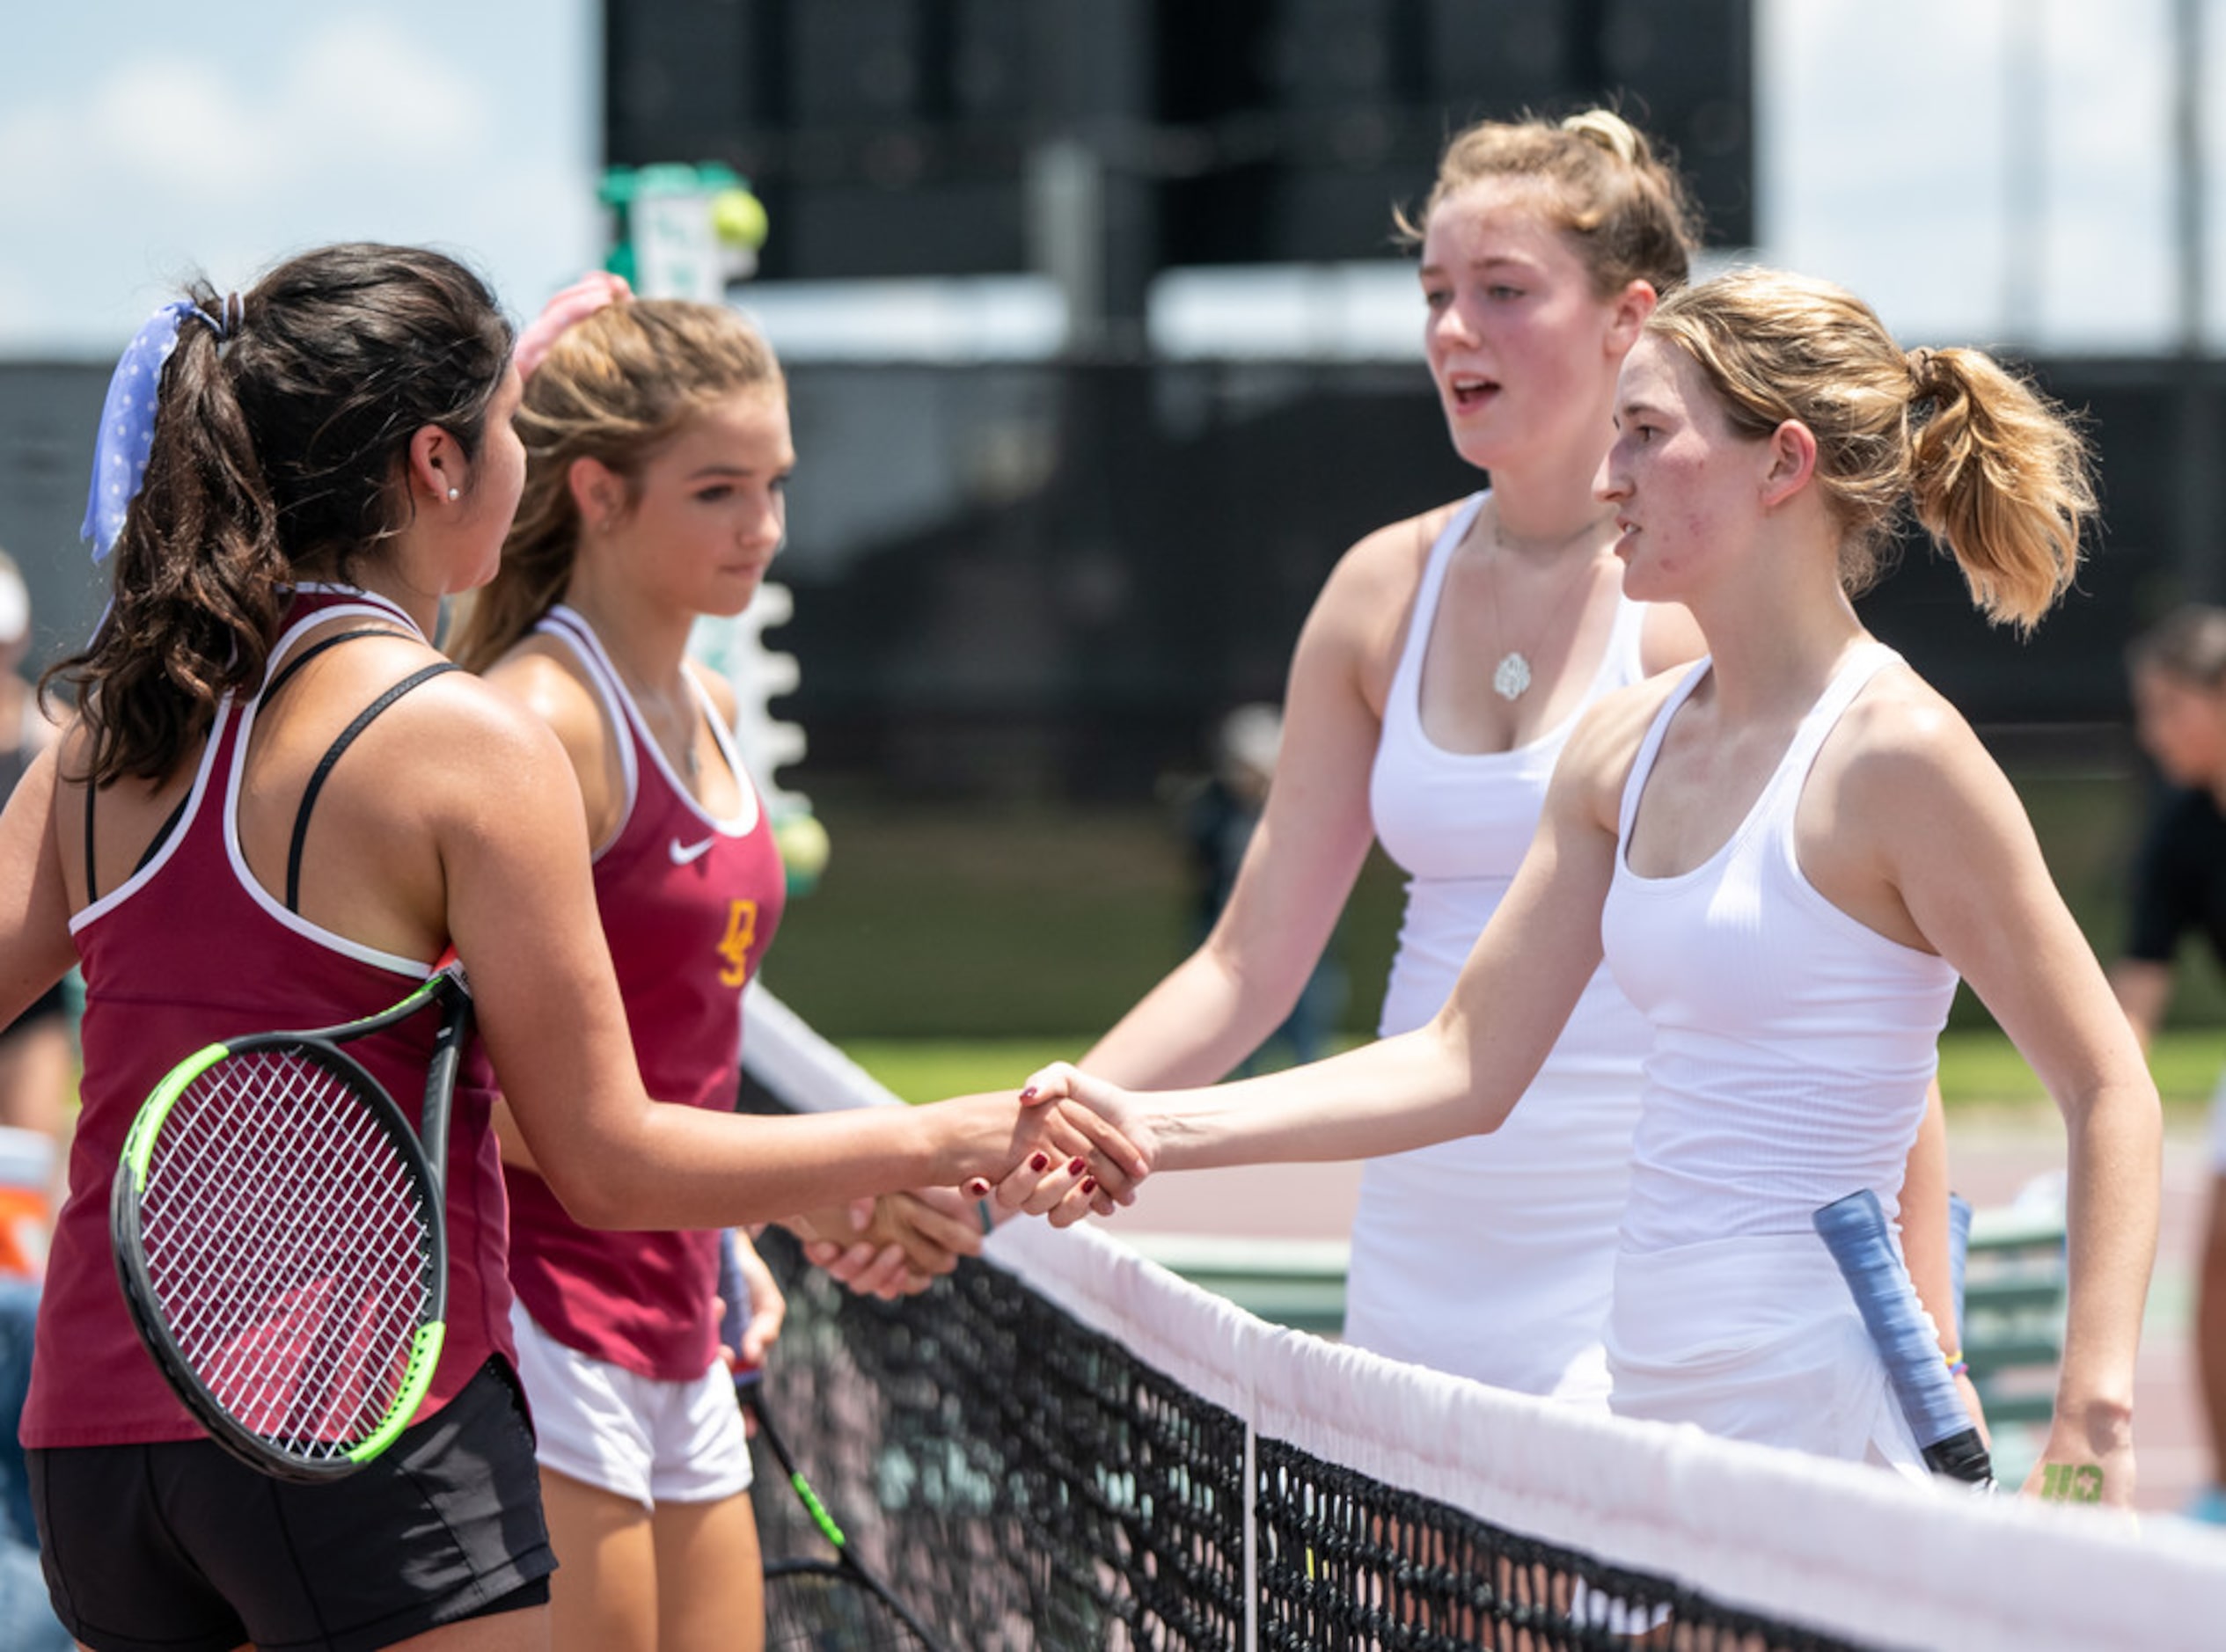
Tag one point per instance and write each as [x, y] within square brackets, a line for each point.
[1511, 675]
[1511, 678]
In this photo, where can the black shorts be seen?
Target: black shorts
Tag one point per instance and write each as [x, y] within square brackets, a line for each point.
[179, 1547]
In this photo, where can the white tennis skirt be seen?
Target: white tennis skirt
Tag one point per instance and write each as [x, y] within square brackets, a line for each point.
[1753, 1339]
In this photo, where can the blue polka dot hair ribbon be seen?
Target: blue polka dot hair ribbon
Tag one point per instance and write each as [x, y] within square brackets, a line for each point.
[128, 417]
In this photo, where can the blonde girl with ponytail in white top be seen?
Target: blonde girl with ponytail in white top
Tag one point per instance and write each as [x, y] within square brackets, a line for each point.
[1789, 853]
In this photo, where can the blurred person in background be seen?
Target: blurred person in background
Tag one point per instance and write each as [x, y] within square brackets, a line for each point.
[1219, 815]
[2178, 668]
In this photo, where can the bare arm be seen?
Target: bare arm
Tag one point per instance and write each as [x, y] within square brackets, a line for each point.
[1219, 1004]
[1991, 910]
[1462, 1072]
[521, 909]
[2144, 991]
[35, 946]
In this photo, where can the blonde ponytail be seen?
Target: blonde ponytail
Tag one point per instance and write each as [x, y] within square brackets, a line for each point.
[1999, 475]
[1994, 471]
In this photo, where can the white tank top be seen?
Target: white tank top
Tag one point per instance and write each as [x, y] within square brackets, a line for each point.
[1491, 1256]
[1459, 823]
[1792, 1044]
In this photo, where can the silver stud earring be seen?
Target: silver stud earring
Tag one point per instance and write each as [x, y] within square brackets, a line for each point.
[456, 493]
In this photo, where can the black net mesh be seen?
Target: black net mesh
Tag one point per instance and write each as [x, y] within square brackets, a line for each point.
[1021, 1481]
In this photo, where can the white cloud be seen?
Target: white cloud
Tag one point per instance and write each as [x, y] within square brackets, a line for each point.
[364, 84]
[225, 148]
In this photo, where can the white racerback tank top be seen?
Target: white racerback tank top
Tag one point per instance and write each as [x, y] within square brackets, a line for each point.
[1792, 1045]
[1491, 1256]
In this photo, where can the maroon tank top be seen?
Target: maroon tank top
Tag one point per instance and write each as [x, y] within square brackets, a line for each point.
[190, 949]
[689, 905]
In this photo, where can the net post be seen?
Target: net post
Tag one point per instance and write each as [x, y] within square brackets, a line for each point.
[1251, 1539]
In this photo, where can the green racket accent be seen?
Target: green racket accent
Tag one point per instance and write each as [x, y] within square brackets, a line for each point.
[825, 1522]
[425, 1353]
[139, 1145]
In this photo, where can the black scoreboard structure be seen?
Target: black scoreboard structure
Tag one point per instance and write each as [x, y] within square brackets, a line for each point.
[933, 138]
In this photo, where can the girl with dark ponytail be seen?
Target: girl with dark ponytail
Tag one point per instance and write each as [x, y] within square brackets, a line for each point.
[276, 805]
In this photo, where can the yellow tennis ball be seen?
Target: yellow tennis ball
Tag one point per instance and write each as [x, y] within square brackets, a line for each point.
[738, 218]
[803, 843]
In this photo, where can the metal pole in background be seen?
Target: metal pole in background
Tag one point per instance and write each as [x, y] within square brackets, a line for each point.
[2025, 171]
[2196, 552]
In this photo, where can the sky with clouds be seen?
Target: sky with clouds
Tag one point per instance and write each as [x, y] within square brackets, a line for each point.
[141, 142]
[1904, 150]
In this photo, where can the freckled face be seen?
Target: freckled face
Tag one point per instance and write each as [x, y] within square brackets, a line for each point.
[1686, 486]
[1522, 350]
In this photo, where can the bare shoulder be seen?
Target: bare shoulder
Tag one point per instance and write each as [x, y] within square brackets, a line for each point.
[1904, 767]
[1387, 564]
[548, 680]
[1361, 616]
[720, 692]
[1899, 728]
[485, 719]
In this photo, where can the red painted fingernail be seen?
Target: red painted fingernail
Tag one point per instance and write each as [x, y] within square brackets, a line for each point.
[1078, 1166]
[1028, 1094]
[1090, 1184]
[1038, 1162]
[979, 1188]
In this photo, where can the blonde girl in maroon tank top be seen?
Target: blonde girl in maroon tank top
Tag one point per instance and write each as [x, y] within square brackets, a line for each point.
[658, 453]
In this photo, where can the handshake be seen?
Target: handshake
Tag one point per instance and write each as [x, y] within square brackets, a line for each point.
[1058, 1148]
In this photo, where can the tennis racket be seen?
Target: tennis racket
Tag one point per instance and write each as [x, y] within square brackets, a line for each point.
[1854, 1229]
[826, 1606]
[280, 1238]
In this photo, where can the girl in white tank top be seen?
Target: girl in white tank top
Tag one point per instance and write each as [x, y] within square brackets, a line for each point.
[1491, 1257]
[1792, 1047]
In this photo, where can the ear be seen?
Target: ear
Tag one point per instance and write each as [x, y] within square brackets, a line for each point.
[437, 464]
[1791, 454]
[598, 492]
[1627, 313]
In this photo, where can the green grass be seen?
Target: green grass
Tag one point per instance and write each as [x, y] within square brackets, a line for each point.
[960, 945]
[1977, 1069]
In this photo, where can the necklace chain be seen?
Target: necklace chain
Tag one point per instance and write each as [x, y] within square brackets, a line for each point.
[1512, 677]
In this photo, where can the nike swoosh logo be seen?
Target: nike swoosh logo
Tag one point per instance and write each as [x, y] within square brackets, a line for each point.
[683, 853]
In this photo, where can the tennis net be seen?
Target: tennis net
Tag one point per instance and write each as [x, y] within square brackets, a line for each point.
[1063, 1446]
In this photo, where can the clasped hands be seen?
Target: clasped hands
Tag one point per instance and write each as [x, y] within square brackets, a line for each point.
[1059, 1150]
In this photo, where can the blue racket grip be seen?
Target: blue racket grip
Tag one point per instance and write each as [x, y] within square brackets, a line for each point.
[733, 1291]
[1854, 1229]
[1958, 1252]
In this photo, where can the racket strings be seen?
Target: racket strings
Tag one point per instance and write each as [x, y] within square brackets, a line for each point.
[287, 1247]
